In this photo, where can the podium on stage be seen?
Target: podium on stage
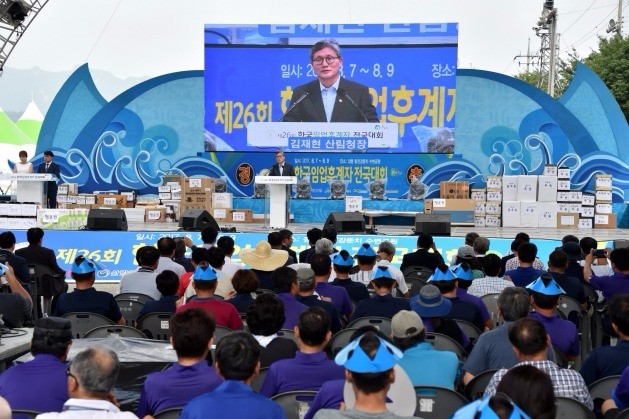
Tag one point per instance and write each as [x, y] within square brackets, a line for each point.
[30, 187]
[279, 198]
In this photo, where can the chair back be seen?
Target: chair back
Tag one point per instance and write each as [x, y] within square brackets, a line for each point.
[475, 389]
[264, 291]
[135, 296]
[437, 402]
[219, 332]
[491, 302]
[339, 340]
[571, 409]
[624, 414]
[256, 383]
[416, 271]
[414, 285]
[602, 388]
[383, 324]
[130, 310]
[156, 325]
[116, 331]
[84, 322]
[470, 330]
[30, 414]
[560, 358]
[172, 413]
[446, 343]
[295, 403]
[288, 334]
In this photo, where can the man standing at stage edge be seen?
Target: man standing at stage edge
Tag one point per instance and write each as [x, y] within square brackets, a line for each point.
[48, 166]
[330, 98]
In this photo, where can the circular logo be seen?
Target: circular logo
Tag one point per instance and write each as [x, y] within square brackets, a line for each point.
[414, 172]
[244, 174]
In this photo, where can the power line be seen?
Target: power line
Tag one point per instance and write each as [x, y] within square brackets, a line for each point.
[103, 31]
[580, 16]
[589, 34]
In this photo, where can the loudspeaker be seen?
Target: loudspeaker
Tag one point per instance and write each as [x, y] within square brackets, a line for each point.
[346, 222]
[107, 219]
[433, 224]
[196, 219]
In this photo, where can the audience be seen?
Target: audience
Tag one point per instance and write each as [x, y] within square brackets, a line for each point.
[310, 368]
[530, 344]
[226, 244]
[36, 253]
[422, 256]
[216, 259]
[287, 288]
[307, 282]
[142, 281]
[85, 298]
[204, 283]
[287, 241]
[365, 259]
[386, 252]
[514, 251]
[573, 253]
[208, 237]
[41, 384]
[20, 269]
[166, 247]
[491, 283]
[185, 290]
[600, 266]
[263, 261]
[192, 334]
[342, 264]
[382, 303]
[265, 317]
[15, 307]
[237, 362]
[464, 277]
[424, 365]
[167, 284]
[313, 235]
[245, 282]
[557, 263]
[180, 255]
[525, 272]
[610, 285]
[275, 240]
[91, 378]
[469, 241]
[619, 397]
[322, 267]
[513, 263]
[531, 389]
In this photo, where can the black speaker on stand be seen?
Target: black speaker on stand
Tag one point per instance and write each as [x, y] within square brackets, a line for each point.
[433, 224]
[107, 219]
[196, 219]
[346, 222]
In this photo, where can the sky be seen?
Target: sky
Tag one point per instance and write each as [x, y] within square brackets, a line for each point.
[147, 38]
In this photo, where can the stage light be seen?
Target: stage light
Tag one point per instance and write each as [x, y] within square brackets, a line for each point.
[13, 12]
[337, 189]
[303, 188]
[377, 190]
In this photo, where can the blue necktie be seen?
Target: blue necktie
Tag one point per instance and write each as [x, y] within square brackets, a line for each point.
[328, 102]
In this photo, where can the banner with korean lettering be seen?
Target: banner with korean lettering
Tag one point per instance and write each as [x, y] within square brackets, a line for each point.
[410, 71]
[116, 249]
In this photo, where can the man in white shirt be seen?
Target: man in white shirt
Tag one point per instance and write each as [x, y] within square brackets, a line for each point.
[143, 280]
[386, 251]
[166, 247]
[490, 283]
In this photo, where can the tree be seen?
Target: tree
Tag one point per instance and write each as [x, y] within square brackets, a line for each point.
[565, 72]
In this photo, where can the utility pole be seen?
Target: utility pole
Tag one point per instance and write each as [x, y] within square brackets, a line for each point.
[616, 26]
[546, 29]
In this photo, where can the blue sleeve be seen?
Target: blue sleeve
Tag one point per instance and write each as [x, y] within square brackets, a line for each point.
[475, 363]
[575, 348]
[143, 408]
[588, 369]
[268, 388]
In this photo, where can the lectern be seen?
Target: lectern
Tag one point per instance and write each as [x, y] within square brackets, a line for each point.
[279, 198]
[29, 186]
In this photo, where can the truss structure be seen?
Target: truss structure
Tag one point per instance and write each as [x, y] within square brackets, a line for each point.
[15, 17]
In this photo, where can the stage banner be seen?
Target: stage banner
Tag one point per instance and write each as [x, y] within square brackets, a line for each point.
[410, 70]
[116, 250]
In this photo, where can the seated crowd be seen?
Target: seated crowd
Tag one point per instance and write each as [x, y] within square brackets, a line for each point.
[299, 325]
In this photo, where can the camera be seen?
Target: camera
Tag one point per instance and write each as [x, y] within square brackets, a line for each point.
[599, 253]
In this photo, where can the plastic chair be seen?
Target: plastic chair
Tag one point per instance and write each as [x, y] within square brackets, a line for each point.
[602, 388]
[256, 383]
[560, 358]
[491, 302]
[130, 310]
[383, 324]
[30, 414]
[624, 414]
[573, 311]
[156, 325]
[419, 272]
[264, 291]
[219, 332]
[84, 322]
[339, 340]
[135, 296]
[116, 331]
[295, 403]
[49, 284]
[172, 413]
[475, 389]
[470, 330]
[446, 343]
[570, 408]
[437, 402]
[288, 334]
[414, 285]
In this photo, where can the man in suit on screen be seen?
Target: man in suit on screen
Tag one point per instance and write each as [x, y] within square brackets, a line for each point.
[48, 166]
[330, 98]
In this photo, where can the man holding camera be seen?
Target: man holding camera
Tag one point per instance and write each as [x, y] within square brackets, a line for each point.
[610, 285]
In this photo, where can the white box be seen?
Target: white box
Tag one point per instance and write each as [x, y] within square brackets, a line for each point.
[563, 185]
[510, 188]
[563, 196]
[576, 196]
[547, 189]
[4, 209]
[587, 212]
[28, 223]
[604, 196]
[14, 210]
[494, 196]
[353, 203]
[601, 218]
[529, 216]
[511, 214]
[566, 220]
[479, 194]
[494, 182]
[163, 189]
[492, 221]
[493, 208]
[479, 222]
[603, 182]
[585, 223]
[547, 214]
[29, 210]
[222, 200]
[220, 213]
[176, 195]
[563, 173]
[479, 208]
[587, 199]
[165, 195]
[527, 188]
[550, 170]
[603, 208]
[574, 208]
[563, 207]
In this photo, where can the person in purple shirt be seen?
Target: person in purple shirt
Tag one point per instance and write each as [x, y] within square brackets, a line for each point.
[322, 267]
[563, 334]
[465, 276]
[41, 384]
[310, 368]
[192, 335]
[618, 283]
[525, 273]
[286, 288]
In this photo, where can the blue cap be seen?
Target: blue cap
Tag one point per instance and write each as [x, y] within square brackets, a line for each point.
[620, 393]
[551, 289]
[383, 272]
[3, 269]
[386, 357]
[366, 250]
[460, 272]
[204, 273]
[83, 265]
[470, 411]
[439, 275]
[337, 259]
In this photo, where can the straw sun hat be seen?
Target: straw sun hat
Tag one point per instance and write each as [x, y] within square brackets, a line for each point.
[263, 258]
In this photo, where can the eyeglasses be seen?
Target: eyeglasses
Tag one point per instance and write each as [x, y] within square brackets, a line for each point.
[329, 60]
[69, 374]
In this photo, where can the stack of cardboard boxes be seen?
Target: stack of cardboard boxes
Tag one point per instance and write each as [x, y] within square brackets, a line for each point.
[14, 216]
[454, 199]
[488, 203]
[603, 216]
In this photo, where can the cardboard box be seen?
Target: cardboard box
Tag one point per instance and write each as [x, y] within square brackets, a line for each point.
[165, 195]
[175, 207]
[574, 208]
[509, 188]
[479, 195]
[585, 223]
[163, 189]
[587, 212]
[241, 216]
[603, 182]
[492, 221]
[494, 195]
[196, 199]
[603, 209]
[605, 221]
[147, 201]
[460, 210]
[547, 189]
[563, 196]
[221, 214]
[550, 170]
[479, 222]
[186, 206]
[576, 196]
[175, 195]
[199, 182]
[563, 207]
[454, 190]
[61, 190]
[131, 195]
[527, 188]
[529, 216]
[603, 196]
[566, 220]
[28, 210]
[155, 215]
[493, 208]
[510, 214]
[479, 209]
[563, 173]
[563, 185]
[222, 200]
[588, 199]
[494, 182]
[112, 201]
